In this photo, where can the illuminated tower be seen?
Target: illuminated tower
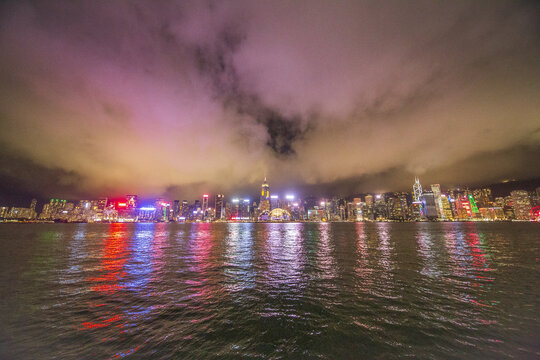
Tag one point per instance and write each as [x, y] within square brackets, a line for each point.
[219, 206]
[204, 205]
[417, 188]
[264, 204]
[436, 188]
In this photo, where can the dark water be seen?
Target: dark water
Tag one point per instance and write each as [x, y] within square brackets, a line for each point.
[330, 291]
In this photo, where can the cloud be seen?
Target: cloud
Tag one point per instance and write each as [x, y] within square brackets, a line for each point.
[181, 96]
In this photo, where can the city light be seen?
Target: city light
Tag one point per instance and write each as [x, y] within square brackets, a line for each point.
[147, 208]
[432, 205]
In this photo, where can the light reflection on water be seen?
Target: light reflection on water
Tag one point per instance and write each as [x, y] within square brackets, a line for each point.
[277, 290]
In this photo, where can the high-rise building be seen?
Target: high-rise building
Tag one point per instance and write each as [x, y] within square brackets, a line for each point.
[521, 204]
[417, 190]
[33, 204]
[219, 206]
[176, 209]
[184, 211]
[264, 203]
[436, 188]
[358, 214]
[368, 214]
[446, 208]
[482, 197]
[428, 202]
[380, 210]
[274, 202]
[204, 207]
[396, 210]
[474, 207]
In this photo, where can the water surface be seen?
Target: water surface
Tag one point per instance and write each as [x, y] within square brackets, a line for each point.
[265, 291]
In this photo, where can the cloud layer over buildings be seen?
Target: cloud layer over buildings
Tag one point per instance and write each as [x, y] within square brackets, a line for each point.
[177, 97]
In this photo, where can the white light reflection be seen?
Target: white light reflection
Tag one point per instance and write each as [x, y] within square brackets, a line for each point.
[239, 271]
[426, 250]
[326, 263]
[362, 269]
[284, 254]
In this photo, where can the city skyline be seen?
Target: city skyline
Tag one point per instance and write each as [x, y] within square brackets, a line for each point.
[190, 97]
[429, 203]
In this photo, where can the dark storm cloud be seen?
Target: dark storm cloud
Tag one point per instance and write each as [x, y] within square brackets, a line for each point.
[180, 96]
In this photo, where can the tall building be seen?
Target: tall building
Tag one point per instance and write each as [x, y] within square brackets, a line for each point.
[240, 209]
[357, 204]
[482, 197]
[131, 202]
[380, 210]
[176, 209]
[436, 188]
[185, 215]
[521, 204]
[204, 207]
[417, 189]
[220, 213]
[474, 207]
[33, 205]
[428, 202]
[274, 202]
[446, 208]
[368, 214]
[264, 204]
[396, 210]
[417, 211]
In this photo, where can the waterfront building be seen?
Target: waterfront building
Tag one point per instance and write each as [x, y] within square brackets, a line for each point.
[380, 210]
[436, 189]
[395, 209]
[218, 205]
[482, 197]
[274, 201]
[204, 207]
[446, 208]
[417, 190]
[264, 203]
[521, 204]
[176, 209]
[368, 213]
[429, 206]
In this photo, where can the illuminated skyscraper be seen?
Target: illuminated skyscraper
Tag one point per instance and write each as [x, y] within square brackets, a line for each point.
[482, 197]
[131, 201]
[274, 202]
[417, 211]
[33, 205]
[204, 205]
[446, 208]
[522, 204]
[264, 203]
[219, 206]
[417, 189]
[428, 202]
[436, 188]
[176, 209]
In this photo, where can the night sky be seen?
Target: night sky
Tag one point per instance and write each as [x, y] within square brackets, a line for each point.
[177, 98]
